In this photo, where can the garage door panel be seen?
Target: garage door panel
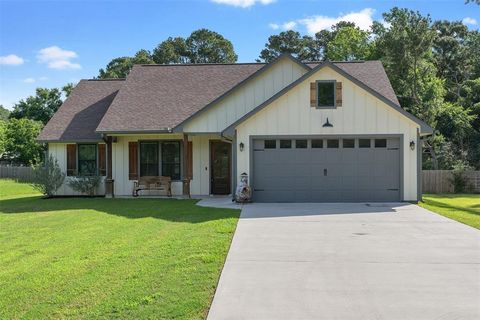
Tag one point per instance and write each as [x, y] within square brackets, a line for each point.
[332, 156]
[364, 155]
[327, 174]
[349, 170]
[349, 183]
[299, 183]
[303, 196]
[349, 195]
[349, 156]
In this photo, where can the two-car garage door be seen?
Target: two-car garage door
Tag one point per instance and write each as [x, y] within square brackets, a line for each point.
[329, 169]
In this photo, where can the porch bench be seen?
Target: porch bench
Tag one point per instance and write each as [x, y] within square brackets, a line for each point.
[158, 183]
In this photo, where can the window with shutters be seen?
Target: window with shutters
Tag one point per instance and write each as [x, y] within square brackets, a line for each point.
[159, 158]
[87, 159]
[326, 94]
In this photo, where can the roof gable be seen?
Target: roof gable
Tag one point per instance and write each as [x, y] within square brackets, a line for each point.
[159, 97]
[424, 128]
[82, 111]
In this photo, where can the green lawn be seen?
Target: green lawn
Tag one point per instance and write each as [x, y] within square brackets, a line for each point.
[464, 208]
[93, 258]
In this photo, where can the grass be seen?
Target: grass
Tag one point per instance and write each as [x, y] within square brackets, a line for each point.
[464, 208]
[94, 258]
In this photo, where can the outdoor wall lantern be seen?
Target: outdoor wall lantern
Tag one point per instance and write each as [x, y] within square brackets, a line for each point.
[241, 146]
[327, 124]
[412, 145]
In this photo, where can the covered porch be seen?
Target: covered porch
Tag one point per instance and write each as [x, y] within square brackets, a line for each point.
[198, 164]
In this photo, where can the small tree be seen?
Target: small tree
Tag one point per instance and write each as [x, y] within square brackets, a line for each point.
[459, 180]
[85, 184]
[48, 177]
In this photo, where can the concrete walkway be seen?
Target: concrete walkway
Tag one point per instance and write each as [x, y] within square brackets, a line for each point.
[349, 261]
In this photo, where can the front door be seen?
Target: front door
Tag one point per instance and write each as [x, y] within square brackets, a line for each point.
[220, 160]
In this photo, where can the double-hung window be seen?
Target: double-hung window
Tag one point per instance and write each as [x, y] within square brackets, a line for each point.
[87, 159]
[171, 159]
[326, 94]
[149, 158]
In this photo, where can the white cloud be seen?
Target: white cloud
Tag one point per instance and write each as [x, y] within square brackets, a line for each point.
[290, 25]
[274, 26]
[362, 19]
[468, 20]
[33, 80]
[63, 64]
[11, 60]
[58, 58]
[243, 3]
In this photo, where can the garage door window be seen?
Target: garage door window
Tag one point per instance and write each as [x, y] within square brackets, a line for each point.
[317, 143]
[270, 144]
[364, 143]
[332, 143]
[285, 144]
[348, 143]
[301, 144]
[380, 143]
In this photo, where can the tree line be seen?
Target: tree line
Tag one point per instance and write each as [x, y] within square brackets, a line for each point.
[434, 68]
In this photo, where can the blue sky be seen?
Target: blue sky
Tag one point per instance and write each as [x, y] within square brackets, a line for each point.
[51, 43]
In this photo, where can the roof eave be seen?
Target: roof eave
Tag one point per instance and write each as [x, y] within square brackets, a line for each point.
[68, 140]
[146, 131]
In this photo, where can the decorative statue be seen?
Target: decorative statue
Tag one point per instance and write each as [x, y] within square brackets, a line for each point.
[243, 193]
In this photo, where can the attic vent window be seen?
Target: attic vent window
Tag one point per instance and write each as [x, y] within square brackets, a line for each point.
[326, 94]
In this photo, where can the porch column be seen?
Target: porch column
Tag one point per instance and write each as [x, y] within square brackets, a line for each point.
[109, 190]
[186, 172]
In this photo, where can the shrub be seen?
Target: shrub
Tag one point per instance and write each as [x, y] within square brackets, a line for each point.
[459, 180]
[48, 177]
[85, 184]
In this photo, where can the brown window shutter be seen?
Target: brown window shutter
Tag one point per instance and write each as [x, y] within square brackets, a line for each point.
[313, 94]
[339, 94]
[190, 160]
[71, 159]
[102, 160]
[132, 160]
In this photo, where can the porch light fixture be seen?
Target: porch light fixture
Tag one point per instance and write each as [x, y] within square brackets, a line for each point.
[412, 145]
[241, 146]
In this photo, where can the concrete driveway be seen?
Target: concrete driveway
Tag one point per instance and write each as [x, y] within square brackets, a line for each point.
[349, 261]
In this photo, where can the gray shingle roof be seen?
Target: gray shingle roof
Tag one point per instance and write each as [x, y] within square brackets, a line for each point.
[80, 114]
[159, 97]
[371, 73]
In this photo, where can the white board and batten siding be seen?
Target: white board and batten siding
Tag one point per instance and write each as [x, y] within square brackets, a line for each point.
[59, 151]
[361, 113]
[246, 97]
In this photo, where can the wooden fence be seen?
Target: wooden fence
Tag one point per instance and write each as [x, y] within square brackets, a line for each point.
[24, 174]
[439, 181]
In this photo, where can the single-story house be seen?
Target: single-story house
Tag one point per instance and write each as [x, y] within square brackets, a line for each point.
[302, 132]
